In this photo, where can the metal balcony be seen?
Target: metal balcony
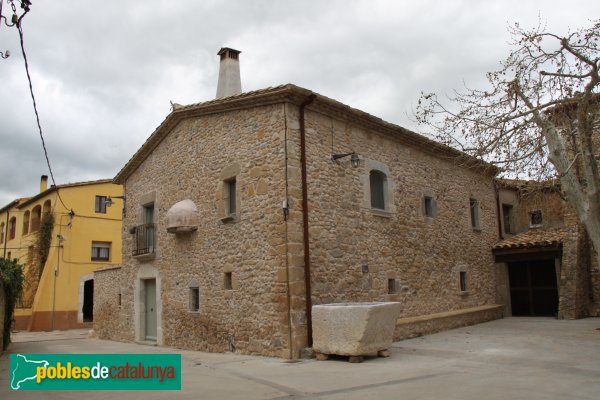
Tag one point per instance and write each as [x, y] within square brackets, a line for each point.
[144, 241]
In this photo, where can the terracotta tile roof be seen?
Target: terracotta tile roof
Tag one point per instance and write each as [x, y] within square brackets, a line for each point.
[534, 238]
[528, 185]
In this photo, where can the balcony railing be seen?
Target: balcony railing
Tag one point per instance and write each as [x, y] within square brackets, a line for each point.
[144, 241]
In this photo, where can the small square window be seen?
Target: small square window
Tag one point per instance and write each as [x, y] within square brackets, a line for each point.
[228, 281]
[194, 299]
[474, 208]
[101, 204]
[463, 281]
[101, 251]
[535, 218]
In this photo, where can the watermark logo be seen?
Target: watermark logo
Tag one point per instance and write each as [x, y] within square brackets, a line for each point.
[95, 371]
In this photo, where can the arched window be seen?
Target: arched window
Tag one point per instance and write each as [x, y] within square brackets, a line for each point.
[47, 207]
[2, 228]
[377, 180]
[12, 228]
[36, 216]
[26, 223]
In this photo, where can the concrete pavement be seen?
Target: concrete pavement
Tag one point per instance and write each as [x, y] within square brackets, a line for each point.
[513, 358]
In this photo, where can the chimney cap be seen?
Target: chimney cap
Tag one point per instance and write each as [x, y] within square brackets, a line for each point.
[224, 49]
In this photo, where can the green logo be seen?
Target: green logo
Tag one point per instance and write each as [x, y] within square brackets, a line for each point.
[95, 372]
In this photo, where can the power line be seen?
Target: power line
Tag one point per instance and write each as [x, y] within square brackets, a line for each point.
[37, 116]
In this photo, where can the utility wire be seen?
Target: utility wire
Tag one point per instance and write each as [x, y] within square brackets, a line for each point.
[37, 116]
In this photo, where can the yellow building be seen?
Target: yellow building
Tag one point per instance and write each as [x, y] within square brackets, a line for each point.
[61, 235]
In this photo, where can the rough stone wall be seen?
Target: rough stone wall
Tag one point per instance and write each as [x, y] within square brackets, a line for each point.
[579, 280]
[548, 202]
[407, 328]
[188, 164]
[112, 321]
[579, 292]
[263, 251]
[423, 255]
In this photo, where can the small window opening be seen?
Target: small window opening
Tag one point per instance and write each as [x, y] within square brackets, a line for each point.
[463, 281]
[120, 299]
[474, 207]
[228, 281]
[194, 299]
[231, 196]
[391, 286]
[535, 218]
[428, 206]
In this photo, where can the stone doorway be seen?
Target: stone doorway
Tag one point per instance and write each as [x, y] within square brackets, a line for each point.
[533, 288]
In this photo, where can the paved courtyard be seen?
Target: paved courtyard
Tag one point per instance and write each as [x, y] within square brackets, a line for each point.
[513, 358]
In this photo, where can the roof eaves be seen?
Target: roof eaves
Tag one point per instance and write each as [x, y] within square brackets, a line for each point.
[11, 205]
[255, 98]
[295, 94]
[52, 189]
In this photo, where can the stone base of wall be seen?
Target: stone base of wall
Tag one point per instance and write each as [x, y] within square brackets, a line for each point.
[407, 328]
[42, 321]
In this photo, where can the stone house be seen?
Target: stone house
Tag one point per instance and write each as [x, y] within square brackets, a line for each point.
[545, 255]
[547, 264]
[243, 211]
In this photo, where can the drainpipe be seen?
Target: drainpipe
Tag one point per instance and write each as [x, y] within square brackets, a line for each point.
[305, 103]
[500, 235]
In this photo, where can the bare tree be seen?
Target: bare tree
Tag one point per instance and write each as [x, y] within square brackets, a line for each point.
[537, 118]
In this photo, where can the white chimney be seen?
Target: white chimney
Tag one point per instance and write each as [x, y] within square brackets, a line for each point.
[229, 73]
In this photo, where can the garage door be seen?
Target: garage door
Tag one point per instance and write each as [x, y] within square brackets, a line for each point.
[533, 288]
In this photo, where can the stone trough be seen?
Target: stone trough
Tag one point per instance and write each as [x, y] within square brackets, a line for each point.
[354, 329]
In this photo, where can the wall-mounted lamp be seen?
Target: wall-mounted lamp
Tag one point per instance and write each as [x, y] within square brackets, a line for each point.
[354, 158]
[109, 200]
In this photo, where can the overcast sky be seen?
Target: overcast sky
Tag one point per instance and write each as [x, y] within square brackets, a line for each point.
[104, 71]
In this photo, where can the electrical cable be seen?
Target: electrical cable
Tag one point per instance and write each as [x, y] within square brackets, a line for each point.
[37, 116]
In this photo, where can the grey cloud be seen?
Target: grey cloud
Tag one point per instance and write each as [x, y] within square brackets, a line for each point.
[104, 72]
